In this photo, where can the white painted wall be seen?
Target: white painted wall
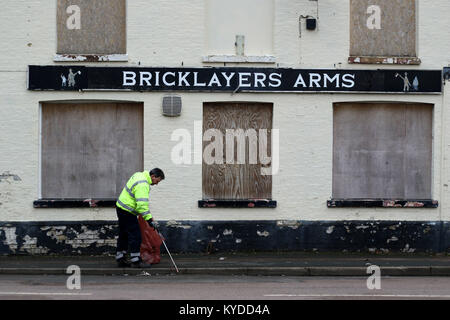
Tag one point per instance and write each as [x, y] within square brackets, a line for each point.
[250, 18]
[172, 34]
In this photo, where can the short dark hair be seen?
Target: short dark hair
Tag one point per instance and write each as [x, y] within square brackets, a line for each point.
[158, 173]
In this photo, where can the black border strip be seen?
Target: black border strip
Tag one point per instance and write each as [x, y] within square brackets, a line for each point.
[382, 203]
[74, 203]
[237, 203]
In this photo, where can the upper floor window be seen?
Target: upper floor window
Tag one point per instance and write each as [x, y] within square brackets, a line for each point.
[240, 29]
[91, 30]
[383, 31]
[382, 150]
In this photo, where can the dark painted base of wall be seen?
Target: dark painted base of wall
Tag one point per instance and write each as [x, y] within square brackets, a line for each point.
[99, 237]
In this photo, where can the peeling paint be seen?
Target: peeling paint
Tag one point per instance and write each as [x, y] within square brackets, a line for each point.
[106, 229]
[56, 233]
[392, 239]
[288, 223]
[262, 234]
[10, 238]
[84, 239]
[384, 60]
[92, 203]
[227, 232]
[235, 58]
[415, 204]
[391, 204]
[99, 237]
[175, 224]
[427, 229]
[90, 57]
[30, 246]
[407, 249]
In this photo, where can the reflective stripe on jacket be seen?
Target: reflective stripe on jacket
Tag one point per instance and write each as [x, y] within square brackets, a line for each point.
[134, 197]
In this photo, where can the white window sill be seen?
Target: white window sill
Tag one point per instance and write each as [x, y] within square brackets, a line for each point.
[239, 59]
[90, 57]
[384, 60]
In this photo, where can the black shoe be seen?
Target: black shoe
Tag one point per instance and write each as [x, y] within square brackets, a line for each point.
[140, 264]
[123, 263]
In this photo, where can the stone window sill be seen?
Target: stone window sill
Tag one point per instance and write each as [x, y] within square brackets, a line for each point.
[239, 59]
[381, 203]
[74, 203]
[260, 203]
[90, 58]
[384, 60]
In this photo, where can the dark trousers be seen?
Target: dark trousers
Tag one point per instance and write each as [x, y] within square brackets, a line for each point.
[129, 232]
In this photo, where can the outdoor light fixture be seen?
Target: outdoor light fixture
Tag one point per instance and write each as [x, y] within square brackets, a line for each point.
[311, 24]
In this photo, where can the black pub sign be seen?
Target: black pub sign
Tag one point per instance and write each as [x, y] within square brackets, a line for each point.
[229, 79]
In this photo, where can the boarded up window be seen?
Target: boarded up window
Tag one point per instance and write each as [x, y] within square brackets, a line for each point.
[91, 27]
[383, 28]
[232, 164]
[90, 150]
[382, 151]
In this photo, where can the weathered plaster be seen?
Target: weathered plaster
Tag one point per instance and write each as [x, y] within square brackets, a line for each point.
[215, 236]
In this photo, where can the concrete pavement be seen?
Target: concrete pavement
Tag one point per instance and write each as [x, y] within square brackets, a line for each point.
[258, 263]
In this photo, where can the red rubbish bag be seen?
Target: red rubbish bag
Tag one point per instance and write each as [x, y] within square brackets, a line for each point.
[151, 243]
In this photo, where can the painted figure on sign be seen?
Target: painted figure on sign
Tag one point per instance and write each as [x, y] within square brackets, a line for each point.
[63, 80]
[406, 83]
[416, 84]
[71, 77]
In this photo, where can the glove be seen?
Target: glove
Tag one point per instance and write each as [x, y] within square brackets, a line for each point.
[153, 224]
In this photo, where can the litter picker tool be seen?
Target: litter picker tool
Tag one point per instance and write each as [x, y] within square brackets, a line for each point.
[167, 249]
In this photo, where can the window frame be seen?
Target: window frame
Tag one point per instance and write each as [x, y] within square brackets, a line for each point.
[92, 57]
[266, 58]
[384, 202]
[237, 203]
[386, 59]
[56, 202]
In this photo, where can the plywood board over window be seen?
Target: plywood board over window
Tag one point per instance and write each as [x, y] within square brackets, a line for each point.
[95, 27]
[382, 151]
[89, 150]
[228, 177]
[383, 31]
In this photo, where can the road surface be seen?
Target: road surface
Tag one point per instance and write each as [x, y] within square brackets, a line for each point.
[185, 287]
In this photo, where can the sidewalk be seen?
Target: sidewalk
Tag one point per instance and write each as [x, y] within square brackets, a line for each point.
[264, 264]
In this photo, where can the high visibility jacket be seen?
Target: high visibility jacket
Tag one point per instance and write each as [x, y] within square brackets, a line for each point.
[135, 195]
